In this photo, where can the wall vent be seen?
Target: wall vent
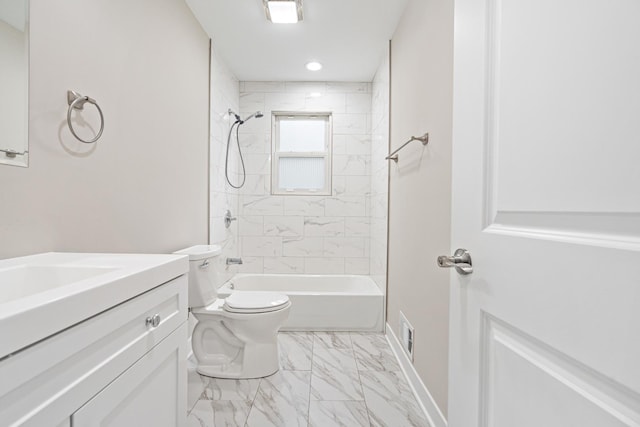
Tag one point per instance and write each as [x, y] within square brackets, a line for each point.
[406, 336]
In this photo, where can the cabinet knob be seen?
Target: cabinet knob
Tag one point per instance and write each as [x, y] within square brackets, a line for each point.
[153, 321]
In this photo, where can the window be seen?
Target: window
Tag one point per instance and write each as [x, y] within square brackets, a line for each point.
[301, 153]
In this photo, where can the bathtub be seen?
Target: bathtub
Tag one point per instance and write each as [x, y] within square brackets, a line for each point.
[320, 302]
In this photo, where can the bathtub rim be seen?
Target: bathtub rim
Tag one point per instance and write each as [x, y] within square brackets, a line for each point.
[374, 290]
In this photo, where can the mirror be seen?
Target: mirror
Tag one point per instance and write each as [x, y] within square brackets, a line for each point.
[14, 82]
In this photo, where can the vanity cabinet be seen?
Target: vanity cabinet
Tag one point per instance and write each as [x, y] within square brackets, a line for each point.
[125, 366]
[145, 394]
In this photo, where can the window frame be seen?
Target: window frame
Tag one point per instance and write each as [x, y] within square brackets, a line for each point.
[276, 155]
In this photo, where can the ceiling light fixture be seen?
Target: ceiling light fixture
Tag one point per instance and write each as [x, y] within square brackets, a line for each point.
[283, 11]
[314, 66]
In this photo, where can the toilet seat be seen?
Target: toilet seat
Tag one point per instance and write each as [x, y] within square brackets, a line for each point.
[248, 302]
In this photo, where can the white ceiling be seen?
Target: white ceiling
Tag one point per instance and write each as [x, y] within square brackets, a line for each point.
[347, 36]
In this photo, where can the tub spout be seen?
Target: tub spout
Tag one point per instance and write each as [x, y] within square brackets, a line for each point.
[234, 261]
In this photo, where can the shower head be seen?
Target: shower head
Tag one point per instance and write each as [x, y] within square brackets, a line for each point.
[257, 114]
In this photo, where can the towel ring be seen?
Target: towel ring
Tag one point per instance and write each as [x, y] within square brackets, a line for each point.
[77, 101]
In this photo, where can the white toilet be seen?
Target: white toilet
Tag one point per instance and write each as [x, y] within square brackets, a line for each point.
[235, 337]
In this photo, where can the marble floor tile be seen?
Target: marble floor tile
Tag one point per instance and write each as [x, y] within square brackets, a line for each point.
[201, 415]
[219, 413]
[295, 349]
[335, 375]
[373, 352]
[390, 401]
[230, 413]
[334, 340]
[336, 386]
[229, 389]
[195, 386]
[326, 379]
[282, 400]
[333, 360]
[338, 414]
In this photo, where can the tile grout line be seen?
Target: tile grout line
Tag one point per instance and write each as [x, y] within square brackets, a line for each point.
[204, 388]
[190, 410]
[253, 401]
[202, 393]
[313, 342]
[364, 398]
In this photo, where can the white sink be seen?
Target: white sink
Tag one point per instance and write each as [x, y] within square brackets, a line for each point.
[43, 294]
[24, 280]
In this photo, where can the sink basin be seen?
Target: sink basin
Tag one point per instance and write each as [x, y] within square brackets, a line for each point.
[43, 294]
[19, 282]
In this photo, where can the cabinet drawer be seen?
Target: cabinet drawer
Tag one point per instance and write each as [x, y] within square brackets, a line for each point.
[44, 383]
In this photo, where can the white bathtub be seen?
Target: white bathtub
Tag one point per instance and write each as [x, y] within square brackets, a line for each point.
[320, 302]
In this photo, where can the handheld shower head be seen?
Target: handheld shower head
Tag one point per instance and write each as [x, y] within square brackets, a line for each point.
[237, 125]
[257, 115]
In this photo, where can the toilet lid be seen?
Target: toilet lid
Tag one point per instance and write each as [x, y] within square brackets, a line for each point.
[254, 302]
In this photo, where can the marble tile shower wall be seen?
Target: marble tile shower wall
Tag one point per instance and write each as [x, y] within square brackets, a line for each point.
[224, 95]
[307, 234]
[379, 194]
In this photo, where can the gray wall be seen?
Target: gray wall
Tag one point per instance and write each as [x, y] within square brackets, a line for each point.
[420, 185]
[143, 186]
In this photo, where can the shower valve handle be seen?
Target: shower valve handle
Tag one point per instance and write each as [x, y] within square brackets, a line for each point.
[228, 218]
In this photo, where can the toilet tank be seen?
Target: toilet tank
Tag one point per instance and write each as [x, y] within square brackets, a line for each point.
[204, 281]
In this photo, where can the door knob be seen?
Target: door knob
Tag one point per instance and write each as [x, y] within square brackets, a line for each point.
[461, 261]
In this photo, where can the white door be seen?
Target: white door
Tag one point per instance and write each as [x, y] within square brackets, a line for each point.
[546, 331]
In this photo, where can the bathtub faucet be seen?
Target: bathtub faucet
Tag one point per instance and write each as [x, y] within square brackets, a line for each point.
[234, 261]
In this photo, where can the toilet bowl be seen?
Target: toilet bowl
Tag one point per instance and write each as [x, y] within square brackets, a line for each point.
[235, 337]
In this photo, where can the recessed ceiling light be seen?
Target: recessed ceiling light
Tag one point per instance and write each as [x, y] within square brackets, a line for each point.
[314, 66]
[283, 11]
[315, 94]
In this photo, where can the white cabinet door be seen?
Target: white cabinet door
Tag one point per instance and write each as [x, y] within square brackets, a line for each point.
[152, 392]
[546, 331]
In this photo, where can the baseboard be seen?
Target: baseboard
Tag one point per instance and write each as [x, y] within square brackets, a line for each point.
[425, 400]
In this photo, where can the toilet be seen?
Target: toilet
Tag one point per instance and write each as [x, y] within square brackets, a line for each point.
[235, 337]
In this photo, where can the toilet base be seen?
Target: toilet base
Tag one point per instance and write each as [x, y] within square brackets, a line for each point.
[258, 361]
[244, 345]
